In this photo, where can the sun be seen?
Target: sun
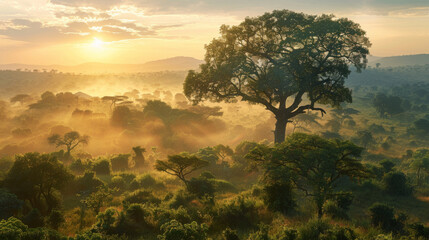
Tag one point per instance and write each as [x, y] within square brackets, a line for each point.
[97, 43]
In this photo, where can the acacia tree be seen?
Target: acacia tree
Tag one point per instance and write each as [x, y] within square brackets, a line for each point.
[283, 60]
[180, 165]
[311, 163]
[70, 140]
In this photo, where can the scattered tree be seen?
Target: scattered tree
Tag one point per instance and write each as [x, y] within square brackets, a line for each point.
[70, 140]
[180, 165]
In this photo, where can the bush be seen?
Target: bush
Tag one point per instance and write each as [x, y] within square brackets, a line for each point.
[88, 183]
[101, 167]
[34, 219]
[77, 167]
[261, 234]
[181, 214]
[133, 221]
[147, 181]
[56, 219]
[201, 187]
[174, 230]
[383, 216]
[321, 229]
[12, 229]
[117, 182]
[141, 196]
[9, 204]
[229, 234]
[239, 213]
[395, 183]
[278, 197]
[120, 162]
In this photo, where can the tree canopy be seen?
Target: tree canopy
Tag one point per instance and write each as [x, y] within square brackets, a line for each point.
[313, 164]
[180, 165]
[70, 140]
[279, 58]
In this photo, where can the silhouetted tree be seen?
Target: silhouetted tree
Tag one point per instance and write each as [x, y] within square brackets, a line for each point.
[180, 165]
[281, 56]
[70, 140]
[138, 156]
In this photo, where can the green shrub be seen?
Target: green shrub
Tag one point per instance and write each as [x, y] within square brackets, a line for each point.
[383, 216]
[278, 197]
[201, 187]
[9, 204]
[141, 196]
[229, 234]
[395, 183]
[12, 229]
[238, 213]
[147, 181]
[117, 182]
[101, 167]
[174, 230]
[34, 219]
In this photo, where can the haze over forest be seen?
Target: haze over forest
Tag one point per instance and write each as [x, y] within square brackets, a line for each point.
[222, 120]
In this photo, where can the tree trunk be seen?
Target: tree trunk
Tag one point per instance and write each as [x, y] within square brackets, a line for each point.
[280, 131]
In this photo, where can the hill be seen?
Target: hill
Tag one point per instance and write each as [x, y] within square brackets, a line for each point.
[169, 64]
[398, 61]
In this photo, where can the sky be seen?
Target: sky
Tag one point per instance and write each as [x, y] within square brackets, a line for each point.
[71, 32]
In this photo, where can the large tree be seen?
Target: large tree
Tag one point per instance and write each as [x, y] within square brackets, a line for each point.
[284, 60]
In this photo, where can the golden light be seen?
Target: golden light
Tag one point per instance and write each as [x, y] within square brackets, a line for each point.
[97, 43]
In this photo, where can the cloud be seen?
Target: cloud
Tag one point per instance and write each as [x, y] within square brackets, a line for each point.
[79, 14]
[106, 29]
[152, 7]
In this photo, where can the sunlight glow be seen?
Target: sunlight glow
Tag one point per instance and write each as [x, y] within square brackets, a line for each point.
[97, 43]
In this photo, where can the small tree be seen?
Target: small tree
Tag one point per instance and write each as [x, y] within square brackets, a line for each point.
[180, 165]
[97, 199]
[420, 162]
[70, 140]
[138, 156]
[313, 164]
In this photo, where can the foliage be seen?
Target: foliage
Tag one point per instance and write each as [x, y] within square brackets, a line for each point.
[9, 204]
[395, 183]
[101, 167]
[268, 59]
[97, 199]
[383, 216]
[180, 165]
[174, 230]
[390, 105]
[56, 219]
[35, 177]
[238, 213]
[120, 162]
[141, 196]
[312, 163]
[70, 140]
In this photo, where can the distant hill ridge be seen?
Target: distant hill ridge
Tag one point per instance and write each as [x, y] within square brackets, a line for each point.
[397, 61]
[183, 63]
[170, 64]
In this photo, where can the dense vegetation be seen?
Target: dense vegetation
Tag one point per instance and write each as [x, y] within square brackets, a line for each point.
[145, 163]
